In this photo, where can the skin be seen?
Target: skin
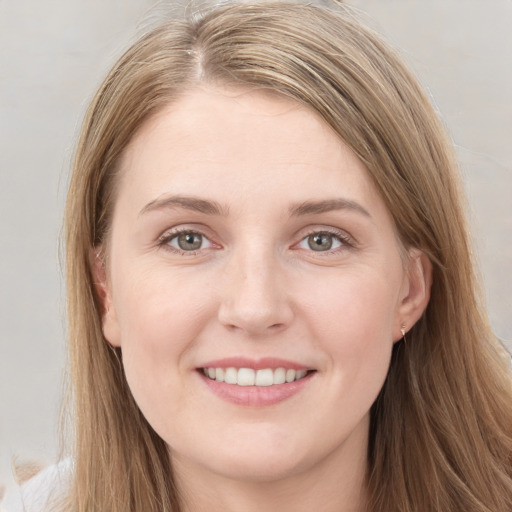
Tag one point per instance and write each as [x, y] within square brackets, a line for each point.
[255, 288]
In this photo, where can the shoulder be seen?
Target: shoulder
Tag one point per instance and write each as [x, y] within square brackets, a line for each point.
[40, 493]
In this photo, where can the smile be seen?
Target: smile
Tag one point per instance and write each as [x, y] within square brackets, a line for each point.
[249, 377]
[255, 382]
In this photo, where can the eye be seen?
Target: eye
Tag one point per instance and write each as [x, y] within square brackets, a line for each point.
[322, 241]
[186, 241]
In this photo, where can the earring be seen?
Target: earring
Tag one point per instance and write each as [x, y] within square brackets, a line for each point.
[402, 330]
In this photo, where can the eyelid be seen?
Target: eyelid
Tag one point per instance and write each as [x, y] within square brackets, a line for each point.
[169, 234]
[347, 241]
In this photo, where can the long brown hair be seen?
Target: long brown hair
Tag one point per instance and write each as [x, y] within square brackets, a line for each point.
[440, 436]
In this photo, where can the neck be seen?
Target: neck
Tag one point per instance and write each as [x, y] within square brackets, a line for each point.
[336, 483]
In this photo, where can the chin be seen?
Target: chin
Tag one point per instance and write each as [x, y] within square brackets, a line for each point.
[258, 461]
[261, 470]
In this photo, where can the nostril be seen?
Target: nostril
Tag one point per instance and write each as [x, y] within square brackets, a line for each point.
[253, 321]
[259, 305]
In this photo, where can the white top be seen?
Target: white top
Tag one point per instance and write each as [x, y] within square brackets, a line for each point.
[40, 492]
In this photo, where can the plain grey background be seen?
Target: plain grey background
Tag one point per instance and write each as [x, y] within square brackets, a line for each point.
[52, 56]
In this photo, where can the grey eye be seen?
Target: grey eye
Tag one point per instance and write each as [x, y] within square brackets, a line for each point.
[320, 241]
[187, 241]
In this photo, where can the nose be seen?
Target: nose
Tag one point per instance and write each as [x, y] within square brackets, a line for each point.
[254, 296]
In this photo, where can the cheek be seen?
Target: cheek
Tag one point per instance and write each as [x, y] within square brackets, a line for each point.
[352, 321]
[356, 335]
[160, 319]
[157, 309]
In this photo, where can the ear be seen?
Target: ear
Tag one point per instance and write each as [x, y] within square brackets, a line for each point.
[416, 292]
[109, 322]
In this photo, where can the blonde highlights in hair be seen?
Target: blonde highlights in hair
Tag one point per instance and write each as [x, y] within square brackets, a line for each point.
[440, 428]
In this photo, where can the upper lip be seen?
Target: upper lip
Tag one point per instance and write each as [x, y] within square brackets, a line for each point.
[255, 364]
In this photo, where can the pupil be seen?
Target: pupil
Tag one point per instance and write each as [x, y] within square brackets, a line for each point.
[189, 241]
[320, 242]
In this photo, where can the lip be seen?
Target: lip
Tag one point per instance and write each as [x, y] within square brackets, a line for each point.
[255, 396]
[255, 364]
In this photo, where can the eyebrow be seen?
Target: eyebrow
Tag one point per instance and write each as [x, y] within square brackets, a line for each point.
[209, 207]
[315, 207]
[188, 202]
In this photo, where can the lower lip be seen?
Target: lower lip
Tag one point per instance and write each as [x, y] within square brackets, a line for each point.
[256, 396]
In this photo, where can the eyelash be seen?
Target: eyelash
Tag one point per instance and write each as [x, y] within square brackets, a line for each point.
[345, 240]
[164, 241]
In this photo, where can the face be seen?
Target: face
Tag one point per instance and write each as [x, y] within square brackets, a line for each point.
[255, 285]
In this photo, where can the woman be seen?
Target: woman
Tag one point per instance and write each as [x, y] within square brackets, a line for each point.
[271, 296]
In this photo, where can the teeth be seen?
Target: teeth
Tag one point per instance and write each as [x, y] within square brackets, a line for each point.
[250, 377]
[246, 377]
[300, 374]
[231, 376]
[279, 376]
[264, 377]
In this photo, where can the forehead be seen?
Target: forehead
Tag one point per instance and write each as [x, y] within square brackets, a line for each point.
[246, 146]
[223, 123]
